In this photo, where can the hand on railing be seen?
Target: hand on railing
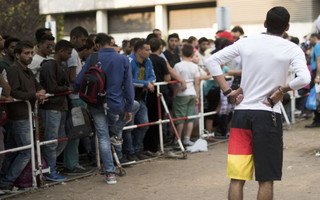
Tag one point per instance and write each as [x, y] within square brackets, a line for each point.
[41, 96]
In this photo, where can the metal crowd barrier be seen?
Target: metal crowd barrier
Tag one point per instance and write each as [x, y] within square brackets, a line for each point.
[160, 99]
[30, 146]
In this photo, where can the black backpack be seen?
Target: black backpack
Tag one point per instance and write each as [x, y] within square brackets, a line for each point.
[79, 123]
[92, 86]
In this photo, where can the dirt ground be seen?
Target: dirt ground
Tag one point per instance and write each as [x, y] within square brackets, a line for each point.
[202, 176]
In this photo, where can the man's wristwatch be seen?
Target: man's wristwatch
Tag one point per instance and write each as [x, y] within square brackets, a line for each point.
[225, 93]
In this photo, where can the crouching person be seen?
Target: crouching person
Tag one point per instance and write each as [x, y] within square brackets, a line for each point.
[53, 112]
[118, 102]
[25, 87]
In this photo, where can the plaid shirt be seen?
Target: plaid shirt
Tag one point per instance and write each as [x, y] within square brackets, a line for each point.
[225, 108]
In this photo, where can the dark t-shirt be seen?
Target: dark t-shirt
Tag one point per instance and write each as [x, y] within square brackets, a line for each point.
[160, 69]
[140, 93]
[172, 58]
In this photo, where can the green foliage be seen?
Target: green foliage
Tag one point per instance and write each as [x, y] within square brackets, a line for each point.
[20, 18]
[60, 26]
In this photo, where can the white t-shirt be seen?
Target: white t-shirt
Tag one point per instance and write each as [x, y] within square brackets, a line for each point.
[265, 62]
[74, 61]
[202, 59]
[35, 65]
[187, 70]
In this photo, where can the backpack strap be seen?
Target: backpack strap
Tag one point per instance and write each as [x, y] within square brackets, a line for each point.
[94, 59]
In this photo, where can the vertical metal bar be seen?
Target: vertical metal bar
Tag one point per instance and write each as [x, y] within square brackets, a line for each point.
[173, 126]
[38, 147]
[34, 175]
[97, 152]
[201, 102]
[160, 119]
[285, 116]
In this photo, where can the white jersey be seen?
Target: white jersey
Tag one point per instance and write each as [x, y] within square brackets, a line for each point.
[265, 63]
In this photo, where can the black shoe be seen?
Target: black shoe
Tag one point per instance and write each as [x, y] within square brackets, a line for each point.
[78, 170]
[313, 125]
[132, 157]
[141, 156]
[124, 161]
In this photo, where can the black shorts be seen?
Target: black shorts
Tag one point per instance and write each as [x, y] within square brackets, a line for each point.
[255, 143]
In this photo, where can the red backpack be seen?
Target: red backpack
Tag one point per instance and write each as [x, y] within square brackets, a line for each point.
[92, 86]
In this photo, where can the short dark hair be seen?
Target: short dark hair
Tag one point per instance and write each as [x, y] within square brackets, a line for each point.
[221, 43]
[187, 50]
[125, 42]
[191, 39]
[317, 35]
[92, 36]
[78, 32]
[237, 29]
[295, 40]
[9, 41]
[44, 38]
[156, 29]
[89, 44]
[151, 36]
[139, 45]
[203, 39]
[63, 45]
[277, 20]
[21, 45]
[133, 41]
[40, 32]
[155, 44]
[103, 39]
[173, 35]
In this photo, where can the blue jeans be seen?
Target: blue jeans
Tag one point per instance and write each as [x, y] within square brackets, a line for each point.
[102, 130]
[133, 139]
[116, 125]
[54, 123]
[15, 162]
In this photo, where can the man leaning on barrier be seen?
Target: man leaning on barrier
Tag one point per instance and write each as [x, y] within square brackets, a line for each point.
[24, 87]
[119, 99]
[256, 130]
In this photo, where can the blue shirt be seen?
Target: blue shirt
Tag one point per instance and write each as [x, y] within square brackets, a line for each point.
[315, 53]
[119, 87]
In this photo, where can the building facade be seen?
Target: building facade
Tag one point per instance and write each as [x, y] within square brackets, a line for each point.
[125, 19]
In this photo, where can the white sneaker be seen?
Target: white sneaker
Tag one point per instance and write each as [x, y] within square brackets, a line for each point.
[188, 143]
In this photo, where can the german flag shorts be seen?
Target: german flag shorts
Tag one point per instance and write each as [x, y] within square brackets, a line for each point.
[255, 143]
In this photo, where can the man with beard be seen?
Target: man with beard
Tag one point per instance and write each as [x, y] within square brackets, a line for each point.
[25, 87]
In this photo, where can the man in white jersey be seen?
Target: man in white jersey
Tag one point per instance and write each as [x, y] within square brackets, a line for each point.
[256, 130]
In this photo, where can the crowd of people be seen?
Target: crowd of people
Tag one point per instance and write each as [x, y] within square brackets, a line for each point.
[30, 71]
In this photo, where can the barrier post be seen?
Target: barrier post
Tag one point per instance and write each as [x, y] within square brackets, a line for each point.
[201, 110]
[33, 163]
[39, 171]
[97, 152]
[173, 127]
[160, 120]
